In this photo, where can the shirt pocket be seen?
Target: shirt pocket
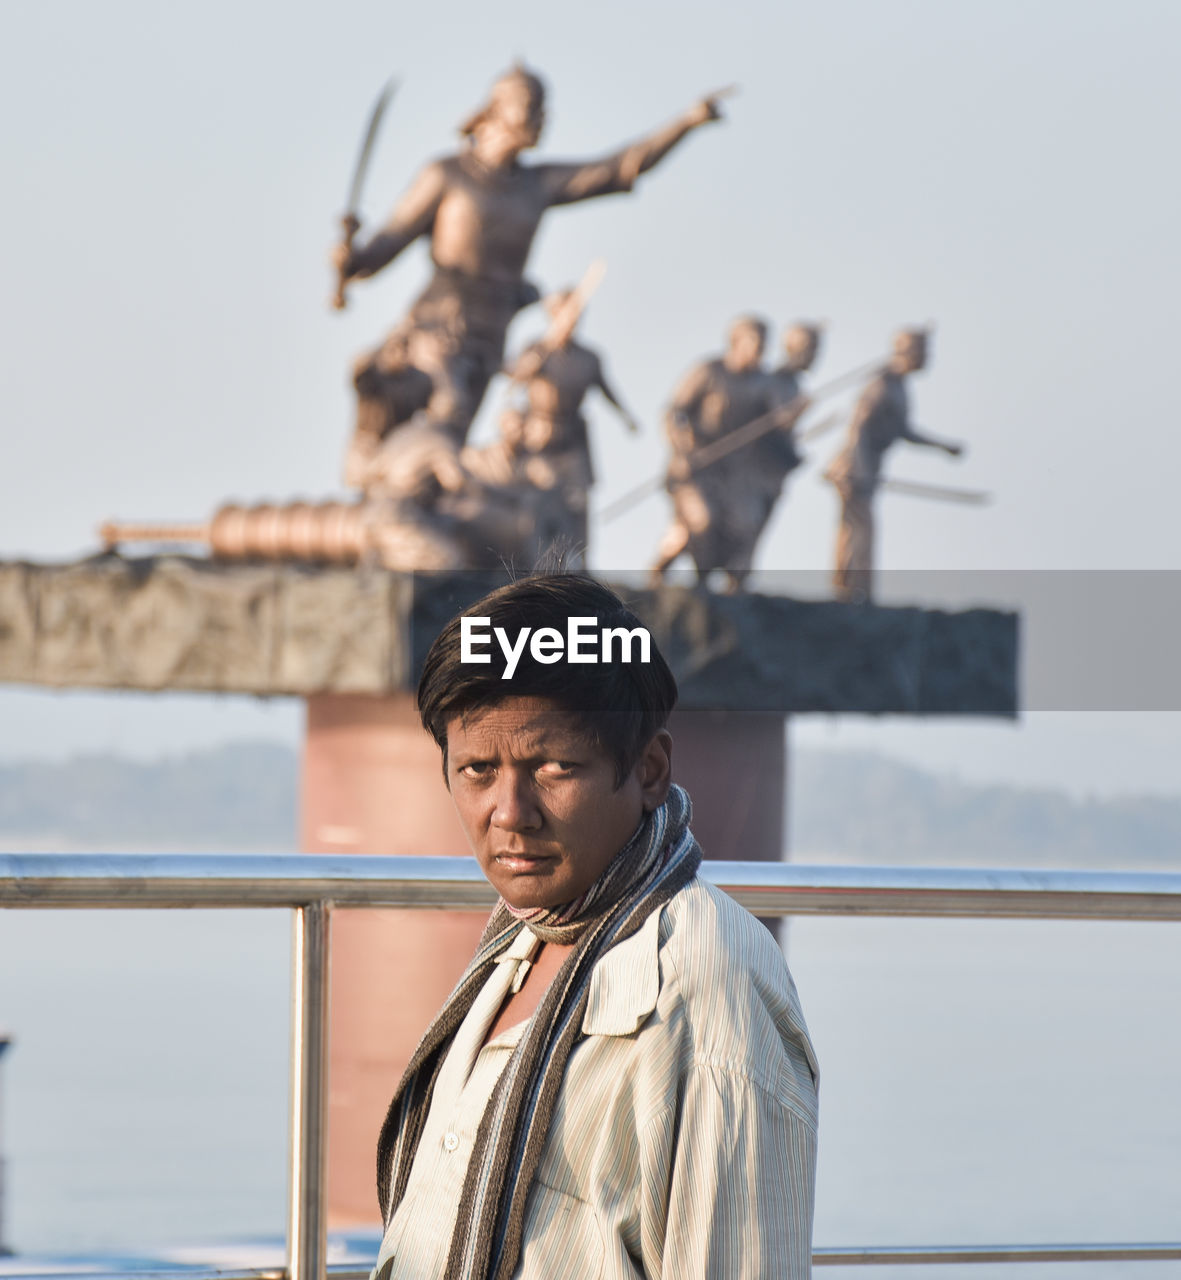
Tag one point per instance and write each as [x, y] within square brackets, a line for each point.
[562, 1237]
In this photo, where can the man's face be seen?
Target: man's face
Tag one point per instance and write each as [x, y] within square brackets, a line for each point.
[538, 802]
[745, 348]
[910, 355]
[801, 348]
[512, 124]
[520, 110]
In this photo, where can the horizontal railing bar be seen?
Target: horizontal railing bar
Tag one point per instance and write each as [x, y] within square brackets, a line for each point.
[910, 1255]
[767, 888]
[893, 1255]
[80, 1272]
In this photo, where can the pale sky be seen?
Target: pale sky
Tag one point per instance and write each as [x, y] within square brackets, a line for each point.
[175, 171]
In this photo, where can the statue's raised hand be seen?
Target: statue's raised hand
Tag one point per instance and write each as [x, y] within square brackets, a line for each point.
[341, 257]
[709, 108]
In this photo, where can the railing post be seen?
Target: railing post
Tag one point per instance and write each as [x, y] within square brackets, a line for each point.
[306, 1233]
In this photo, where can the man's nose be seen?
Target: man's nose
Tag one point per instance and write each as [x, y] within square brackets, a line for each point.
[516, 807]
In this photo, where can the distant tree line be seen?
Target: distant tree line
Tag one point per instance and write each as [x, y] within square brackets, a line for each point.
[243, 795]
[844, 806]
[868, 808]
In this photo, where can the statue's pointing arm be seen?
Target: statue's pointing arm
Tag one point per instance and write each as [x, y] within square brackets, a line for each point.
[914, 436]
[568, 183]
[609, 394]
[414, 216]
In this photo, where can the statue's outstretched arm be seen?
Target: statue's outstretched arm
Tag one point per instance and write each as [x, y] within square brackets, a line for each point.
[568, 183]
[609, 395]
[414, 216]
[915, 436]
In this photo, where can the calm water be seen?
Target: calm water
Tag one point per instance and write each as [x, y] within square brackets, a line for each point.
[1012, 1081]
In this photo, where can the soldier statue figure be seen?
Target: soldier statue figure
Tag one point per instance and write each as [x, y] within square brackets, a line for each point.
[881, 417]
[766, 463]
[715, 507]
[480, 210]
[557, 372]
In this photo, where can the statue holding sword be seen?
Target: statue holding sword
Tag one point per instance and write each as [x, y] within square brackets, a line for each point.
[480, 210]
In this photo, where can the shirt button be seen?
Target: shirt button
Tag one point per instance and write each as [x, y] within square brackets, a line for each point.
[451, 1141]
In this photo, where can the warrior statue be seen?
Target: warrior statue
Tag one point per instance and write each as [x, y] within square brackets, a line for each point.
[508, 480]
[766, 462]
[557, 373]
[881, 417]
[431, 505]
[480, 210]
[714, 507]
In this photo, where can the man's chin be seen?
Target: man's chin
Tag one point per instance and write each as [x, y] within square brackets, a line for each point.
[529, 891]
[525, 897]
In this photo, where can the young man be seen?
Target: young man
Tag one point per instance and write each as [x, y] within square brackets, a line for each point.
[621, 1085]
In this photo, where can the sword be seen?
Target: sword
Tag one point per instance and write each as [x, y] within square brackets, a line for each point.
[350, 222]
[562, 325]
[914, 489]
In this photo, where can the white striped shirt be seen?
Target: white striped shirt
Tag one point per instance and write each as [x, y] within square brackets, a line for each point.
[683, 1143]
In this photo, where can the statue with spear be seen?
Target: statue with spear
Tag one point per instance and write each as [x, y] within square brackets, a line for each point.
[714, 506]
[555, 375]
[880, 419]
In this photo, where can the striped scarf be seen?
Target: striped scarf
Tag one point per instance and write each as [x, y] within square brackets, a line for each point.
[661, 858]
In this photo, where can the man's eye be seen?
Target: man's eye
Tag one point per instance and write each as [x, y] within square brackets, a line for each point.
[558, 768]
[475, 769]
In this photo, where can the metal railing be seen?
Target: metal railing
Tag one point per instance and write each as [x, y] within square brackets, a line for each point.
[312, 884]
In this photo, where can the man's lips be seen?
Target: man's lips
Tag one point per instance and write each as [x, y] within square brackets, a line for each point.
[522, 861]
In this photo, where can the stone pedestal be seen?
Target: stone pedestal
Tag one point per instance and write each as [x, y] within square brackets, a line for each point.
[372, 783]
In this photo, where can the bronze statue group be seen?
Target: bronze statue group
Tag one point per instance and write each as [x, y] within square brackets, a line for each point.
[433, 500]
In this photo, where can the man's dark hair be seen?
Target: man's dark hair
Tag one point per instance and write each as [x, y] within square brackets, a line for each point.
[619, 705]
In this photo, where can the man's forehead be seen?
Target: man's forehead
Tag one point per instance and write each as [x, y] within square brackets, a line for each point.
[525, 722]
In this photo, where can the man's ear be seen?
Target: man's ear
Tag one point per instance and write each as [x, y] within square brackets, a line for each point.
[655, 769]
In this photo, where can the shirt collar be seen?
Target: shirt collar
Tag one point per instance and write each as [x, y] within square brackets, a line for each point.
[625, 983]
[522, 947]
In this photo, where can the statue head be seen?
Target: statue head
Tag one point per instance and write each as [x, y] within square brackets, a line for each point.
[745, 344]
[801, 346]
[910, 350]
[511, 120]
